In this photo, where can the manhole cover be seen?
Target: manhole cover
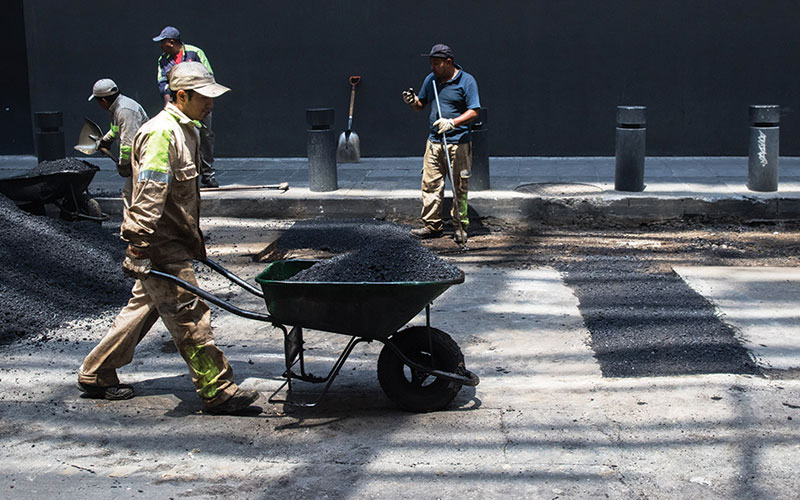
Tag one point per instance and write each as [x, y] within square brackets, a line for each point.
[559, 189]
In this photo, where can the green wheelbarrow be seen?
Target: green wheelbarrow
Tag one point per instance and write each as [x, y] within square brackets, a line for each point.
[420, 368]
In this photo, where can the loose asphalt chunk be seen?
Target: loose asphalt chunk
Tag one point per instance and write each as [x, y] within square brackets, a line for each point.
[644, 324]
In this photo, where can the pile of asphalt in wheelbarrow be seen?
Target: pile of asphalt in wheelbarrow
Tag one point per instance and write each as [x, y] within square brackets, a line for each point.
[371, 251]
[52, 271]
[61, 165]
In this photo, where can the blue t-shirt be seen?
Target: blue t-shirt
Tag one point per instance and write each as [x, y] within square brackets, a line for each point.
[456, 96]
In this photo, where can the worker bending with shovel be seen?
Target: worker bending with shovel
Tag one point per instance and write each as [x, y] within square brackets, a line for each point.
[127, 116]
[162, 229]
[453, 95]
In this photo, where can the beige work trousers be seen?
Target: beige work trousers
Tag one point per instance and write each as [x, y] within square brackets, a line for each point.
[188, 320]
[434, 174]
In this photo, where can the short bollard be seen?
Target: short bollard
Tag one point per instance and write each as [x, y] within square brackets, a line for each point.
[631, 131]
[762, 171]
[479, 181]
[49, 136]
[321, 150]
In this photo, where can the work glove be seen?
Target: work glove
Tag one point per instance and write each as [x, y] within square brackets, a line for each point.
[104, 144]
[444, 125]
[124, 170]
[137, 262]
[410, 97]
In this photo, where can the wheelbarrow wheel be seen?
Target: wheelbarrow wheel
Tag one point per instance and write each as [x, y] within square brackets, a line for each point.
[414, 390]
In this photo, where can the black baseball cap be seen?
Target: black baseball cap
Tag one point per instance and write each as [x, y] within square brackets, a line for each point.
[440, 50]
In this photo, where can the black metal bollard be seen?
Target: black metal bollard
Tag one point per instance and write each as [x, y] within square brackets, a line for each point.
[49, 136]
[321, 150]
[762, 167]
[479, 181]
[631, 131]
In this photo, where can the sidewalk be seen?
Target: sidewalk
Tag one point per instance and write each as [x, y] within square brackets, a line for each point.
[562, 189]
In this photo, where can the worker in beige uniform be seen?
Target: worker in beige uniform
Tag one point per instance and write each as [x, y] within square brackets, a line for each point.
[127, 116]
[162, 229]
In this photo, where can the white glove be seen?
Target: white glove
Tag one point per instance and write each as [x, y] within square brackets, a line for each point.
[444, 125]
[410, 97]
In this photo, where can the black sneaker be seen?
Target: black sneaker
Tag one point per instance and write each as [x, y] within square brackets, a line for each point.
[240, 400]
[209, 181]
[112, 392]
[425, 233]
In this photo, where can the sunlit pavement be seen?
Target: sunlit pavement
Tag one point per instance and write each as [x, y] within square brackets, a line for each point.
[543, 423]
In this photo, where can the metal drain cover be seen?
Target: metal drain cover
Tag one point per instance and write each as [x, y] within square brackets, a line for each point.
[559, 189]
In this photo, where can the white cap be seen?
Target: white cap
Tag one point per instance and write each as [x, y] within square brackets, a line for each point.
[103, 88]
[193, 75]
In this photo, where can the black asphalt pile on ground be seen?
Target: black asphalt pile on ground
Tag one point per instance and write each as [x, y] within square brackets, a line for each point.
[62, 165]
[645, 325]
[371, 251]
[53, 271]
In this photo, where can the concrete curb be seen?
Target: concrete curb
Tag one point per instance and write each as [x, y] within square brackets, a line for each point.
[520, 209]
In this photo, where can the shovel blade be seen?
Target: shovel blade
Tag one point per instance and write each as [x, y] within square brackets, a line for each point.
[349, 148]
[89, 137]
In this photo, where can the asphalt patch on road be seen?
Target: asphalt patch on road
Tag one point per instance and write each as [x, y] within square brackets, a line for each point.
[646, 324]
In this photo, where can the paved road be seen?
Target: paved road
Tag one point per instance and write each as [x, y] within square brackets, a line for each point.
[545, 422]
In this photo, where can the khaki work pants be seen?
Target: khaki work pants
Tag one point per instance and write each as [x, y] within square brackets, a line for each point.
[207, 147]
[127, 193]
[188, 320]
[434, 174]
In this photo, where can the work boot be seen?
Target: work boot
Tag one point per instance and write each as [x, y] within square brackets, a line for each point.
[112, 392]
[425, 233]
[460, 235]
[240, 400]
[209, 181]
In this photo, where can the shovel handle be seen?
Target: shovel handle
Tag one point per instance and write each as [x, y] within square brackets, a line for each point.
[354, 80]
[108, 153]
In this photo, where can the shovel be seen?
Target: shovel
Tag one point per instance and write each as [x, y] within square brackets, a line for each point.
[349, 148]
[89, 140]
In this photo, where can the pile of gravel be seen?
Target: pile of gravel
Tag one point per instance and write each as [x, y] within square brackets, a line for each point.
[53, 271]
[374, 251]
[61, 165]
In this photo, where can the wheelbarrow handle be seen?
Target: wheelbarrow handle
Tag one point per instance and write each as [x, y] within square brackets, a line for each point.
[211, 297]
[239, 281]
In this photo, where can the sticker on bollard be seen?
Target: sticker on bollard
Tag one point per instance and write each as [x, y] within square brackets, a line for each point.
[762, 167]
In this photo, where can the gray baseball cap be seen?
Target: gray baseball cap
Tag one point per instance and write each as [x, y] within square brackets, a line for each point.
[193, 75]
[440, 50]
[168, 32]
[103, 88]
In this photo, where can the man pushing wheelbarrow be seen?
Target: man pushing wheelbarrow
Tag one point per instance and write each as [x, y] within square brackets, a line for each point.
[161, 226]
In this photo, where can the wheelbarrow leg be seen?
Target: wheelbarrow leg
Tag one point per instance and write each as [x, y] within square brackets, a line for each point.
[294, 354]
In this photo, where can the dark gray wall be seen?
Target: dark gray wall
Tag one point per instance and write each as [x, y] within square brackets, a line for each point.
[550, 72]
[16, 135]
